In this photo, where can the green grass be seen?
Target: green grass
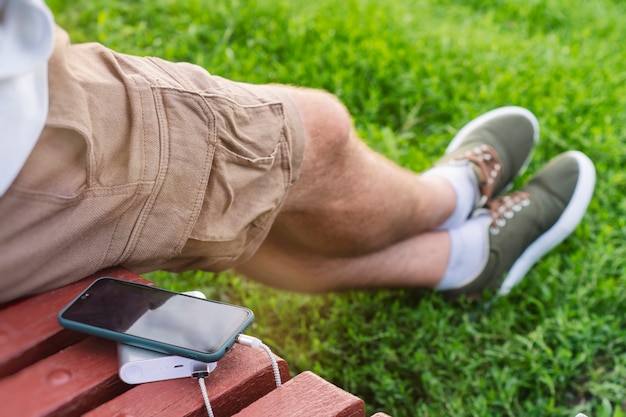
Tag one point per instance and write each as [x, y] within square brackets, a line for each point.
[413, 72]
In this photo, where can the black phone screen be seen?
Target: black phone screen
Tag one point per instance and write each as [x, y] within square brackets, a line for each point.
[162, 316]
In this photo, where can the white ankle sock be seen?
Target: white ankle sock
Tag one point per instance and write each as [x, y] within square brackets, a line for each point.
[462, 179]
[469, 249]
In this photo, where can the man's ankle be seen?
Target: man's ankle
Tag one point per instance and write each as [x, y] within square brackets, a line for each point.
[463, 181]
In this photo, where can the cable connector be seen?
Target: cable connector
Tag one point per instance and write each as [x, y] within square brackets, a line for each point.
[200, 374]
[250, 341]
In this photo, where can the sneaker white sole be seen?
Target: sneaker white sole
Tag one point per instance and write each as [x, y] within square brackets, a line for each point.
[507, 110]
[564, 226]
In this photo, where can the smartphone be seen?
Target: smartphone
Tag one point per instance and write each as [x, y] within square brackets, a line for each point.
[156, 319]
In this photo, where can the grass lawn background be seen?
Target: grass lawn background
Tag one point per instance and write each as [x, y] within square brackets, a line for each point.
[413, 72]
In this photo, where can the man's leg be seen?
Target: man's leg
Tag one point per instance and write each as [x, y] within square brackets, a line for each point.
[353, 219]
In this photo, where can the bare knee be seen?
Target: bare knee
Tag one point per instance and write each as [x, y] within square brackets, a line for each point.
[329, 142]
[327, 123]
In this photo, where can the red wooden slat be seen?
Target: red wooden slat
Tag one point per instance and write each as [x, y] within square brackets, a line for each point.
[29, 330]
[306, 395]
[65, 384]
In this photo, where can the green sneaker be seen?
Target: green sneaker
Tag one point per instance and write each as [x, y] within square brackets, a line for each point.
[499, 144]
[528, 223]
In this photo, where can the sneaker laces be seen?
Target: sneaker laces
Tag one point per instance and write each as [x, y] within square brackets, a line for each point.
[505, 208]
[488, 168]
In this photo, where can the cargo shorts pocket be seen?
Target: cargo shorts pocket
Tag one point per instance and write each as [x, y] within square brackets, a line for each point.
[249, 176]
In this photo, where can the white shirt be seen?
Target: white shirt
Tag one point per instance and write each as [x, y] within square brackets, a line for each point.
[26, 42]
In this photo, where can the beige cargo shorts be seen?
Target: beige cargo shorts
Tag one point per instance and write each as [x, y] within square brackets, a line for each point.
[146, 164]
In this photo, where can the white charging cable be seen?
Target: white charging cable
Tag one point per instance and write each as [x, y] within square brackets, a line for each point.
[200, 375]
[253, 342]
[245, 340]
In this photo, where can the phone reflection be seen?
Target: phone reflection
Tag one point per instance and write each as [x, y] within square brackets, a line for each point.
[186, 322]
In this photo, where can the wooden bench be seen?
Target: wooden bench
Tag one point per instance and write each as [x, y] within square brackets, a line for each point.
[46, 370]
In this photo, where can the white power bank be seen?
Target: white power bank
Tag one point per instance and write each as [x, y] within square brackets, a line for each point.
[139, 365]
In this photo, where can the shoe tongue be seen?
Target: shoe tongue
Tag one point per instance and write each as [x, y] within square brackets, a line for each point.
[480, 199]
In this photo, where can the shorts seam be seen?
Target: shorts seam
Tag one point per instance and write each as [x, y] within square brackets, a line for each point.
[154, 63]
[144, 141]
[234, 104]
[89, 192]
[286, 155]
[104, 262]
[211, 149]
[164, 160]
[143, 131]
